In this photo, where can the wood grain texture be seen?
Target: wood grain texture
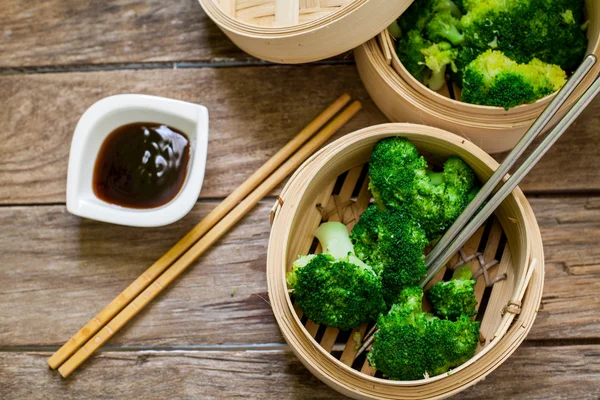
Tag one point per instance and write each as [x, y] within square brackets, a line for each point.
[570, 232]
[58, 271]
[570, 164]
[74, 32]
[531, 373]
[253, 112]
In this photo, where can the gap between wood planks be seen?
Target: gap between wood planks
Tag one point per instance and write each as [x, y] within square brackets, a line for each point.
[173, 348]
[204, 200]
[268, 346]
[217, 63]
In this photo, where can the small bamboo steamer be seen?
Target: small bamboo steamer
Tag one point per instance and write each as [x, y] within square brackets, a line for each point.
[404, 99]
[296, 215]
[299, 31]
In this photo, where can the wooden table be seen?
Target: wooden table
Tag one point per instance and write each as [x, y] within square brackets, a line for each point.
[212, 334]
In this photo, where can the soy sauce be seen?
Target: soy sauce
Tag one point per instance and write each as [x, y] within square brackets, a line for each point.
[141, 165]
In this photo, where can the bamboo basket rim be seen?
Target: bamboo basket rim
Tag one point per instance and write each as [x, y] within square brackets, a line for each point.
[523, 114]
[438, 132]
[299, 181]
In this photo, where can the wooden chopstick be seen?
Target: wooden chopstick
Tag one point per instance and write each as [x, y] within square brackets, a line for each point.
[538, 126]
[465, 230]
[214, 234]
[196, 233]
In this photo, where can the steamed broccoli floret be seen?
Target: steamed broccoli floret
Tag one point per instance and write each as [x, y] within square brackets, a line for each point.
[456, 297]
[444, 27]
[336, 288]
[420, 12]
[400, 180]
[438, 33]
[460, 187]
[424, 49]
[437, 57]
[400, 346]
[411, 344]
[410, 51]
[452, 343]
[393, 244]
[526, 29]
[495, 80]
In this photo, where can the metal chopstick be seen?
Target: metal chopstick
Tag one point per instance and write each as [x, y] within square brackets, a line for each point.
[537, 127]
[448, 248]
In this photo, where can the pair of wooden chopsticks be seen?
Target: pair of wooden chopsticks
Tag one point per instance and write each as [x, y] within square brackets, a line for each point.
[473, 217]
[164, 271]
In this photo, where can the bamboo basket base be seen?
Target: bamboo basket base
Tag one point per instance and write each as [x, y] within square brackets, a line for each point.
[487, 251]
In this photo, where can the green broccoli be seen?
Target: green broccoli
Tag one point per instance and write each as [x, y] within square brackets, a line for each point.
[551, 31]
[437, 57]
[393, 244]
[400, 346]
[452, 343]
[493, 79]
[411, 344]
[444, 27]
[400, 180]
[455, 297]
[409, 50]
[336, 288]
[460, 187]
[424, 49]
[420, 12]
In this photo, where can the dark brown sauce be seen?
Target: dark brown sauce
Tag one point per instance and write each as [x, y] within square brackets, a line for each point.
[141, 165]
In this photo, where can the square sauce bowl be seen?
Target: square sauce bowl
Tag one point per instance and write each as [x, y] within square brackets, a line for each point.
[113, 112]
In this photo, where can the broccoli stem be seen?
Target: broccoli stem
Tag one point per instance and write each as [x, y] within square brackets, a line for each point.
[437, 79]
[454, 36]
[454, 9]
[462, 273]
[436, 178]
[334, 239]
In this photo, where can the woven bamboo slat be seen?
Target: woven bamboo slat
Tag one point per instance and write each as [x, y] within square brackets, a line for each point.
[298, 31]
[332, 185]
[404, 99]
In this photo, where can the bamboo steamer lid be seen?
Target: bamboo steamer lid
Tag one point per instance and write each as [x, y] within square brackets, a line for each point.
[331, 186]
[299, 31]
[404, 99]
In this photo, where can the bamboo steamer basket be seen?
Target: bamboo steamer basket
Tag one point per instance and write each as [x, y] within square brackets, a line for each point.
[404, 99]
[332, 185]
[299, 31]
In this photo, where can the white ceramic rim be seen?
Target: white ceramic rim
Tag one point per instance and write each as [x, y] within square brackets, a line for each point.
[81, 200]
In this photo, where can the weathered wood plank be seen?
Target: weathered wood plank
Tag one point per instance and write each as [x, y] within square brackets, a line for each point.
[253, 113]
[570, 372]
[160, 375]
[570, 164]
[531, 373]
[58, 271]
[571, 232]
[74, 32]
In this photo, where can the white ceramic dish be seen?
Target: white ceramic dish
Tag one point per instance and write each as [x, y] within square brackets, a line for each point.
[112, 112]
